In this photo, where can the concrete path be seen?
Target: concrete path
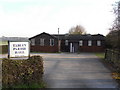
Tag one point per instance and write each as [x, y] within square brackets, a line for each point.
[76, 71]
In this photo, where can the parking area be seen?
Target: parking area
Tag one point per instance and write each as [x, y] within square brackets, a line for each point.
[69, 70]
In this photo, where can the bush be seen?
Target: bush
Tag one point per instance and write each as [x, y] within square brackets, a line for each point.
[16, 72]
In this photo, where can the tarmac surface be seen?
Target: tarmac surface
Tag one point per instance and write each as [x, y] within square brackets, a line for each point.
[69, 70]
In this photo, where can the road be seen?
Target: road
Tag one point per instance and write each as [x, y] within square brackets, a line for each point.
[83, 70]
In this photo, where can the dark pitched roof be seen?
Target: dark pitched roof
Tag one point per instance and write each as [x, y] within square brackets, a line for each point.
[61, 36]
[41, 34]
[74, 37]
[82, 37]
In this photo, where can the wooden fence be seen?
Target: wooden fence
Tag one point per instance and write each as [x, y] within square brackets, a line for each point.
[113, 57]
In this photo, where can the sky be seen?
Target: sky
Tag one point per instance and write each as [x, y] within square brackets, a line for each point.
[27, 18]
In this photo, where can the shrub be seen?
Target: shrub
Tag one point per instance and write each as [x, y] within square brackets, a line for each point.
[15, 72]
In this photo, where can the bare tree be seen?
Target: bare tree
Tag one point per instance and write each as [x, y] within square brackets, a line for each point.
[77, 30]
[114, 34]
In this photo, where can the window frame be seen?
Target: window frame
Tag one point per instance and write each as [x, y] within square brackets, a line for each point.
[66, 42]
[42, 42]
[33, 42]
[81, 43]
[52, 42]
[98, 43]
[89, 42]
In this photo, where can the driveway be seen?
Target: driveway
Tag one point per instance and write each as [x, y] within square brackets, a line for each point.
[83, 70]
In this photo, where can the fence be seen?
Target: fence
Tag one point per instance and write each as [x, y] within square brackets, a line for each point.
[113, 57]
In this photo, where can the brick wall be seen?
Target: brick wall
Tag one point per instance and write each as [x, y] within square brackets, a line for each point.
[38, 48]
[91, 49]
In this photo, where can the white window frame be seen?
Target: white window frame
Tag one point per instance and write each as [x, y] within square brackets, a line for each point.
[42, 41]
[51, 42]
[98, 43]
[66, 42]
[81, 43]
[32, 41]
[89, 42]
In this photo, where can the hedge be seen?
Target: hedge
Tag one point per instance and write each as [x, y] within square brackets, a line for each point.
[3, 49]
[16, 72]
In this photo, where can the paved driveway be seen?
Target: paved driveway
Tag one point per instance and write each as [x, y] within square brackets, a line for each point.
[83, 70]
[76, 71]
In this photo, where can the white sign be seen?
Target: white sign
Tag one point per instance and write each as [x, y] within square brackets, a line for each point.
[18, 49]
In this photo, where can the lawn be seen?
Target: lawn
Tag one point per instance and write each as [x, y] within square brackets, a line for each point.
[100, 55]
[34, 85]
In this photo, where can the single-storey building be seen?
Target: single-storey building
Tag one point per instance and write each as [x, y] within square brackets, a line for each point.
[45, 42]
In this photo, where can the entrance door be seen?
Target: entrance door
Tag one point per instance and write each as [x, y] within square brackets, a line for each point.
[74, 47]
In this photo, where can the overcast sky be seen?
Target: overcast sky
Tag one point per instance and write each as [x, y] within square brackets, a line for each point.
[26, 18]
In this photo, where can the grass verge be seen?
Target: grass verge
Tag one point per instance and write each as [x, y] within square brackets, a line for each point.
[34, 85]
[100, 55]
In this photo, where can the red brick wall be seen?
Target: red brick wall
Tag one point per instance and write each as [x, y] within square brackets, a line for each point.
[91, 49]
[38, 48]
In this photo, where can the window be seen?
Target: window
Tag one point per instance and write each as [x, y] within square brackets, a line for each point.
[42, 42]
[51, 42]
[66, 42]
[98, 43]
[32, 41]
[89, 43]
[80, 43]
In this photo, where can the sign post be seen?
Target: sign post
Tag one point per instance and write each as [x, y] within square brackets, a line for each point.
[18, 49]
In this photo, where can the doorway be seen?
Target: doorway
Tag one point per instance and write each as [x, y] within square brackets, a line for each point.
[74, 47]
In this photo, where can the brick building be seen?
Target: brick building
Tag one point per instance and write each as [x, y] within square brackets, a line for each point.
[45, 42]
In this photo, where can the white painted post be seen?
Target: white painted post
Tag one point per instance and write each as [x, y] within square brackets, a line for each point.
[71, 47]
